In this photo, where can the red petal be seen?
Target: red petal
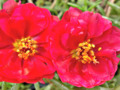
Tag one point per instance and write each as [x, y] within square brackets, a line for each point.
[88, 75]
[3, 20]
[37, 19]
[96, 24]
[55, 18]
[10, 66]
[73, 72]
[9, 6]
[28, 20]
[109, 40]
[69, 14]
[37, 68]
[106, 68]
[4, 39]
[67, 36]
[109, 53]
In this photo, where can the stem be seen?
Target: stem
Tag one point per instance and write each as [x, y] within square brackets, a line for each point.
[53, 4]
[86, 4]
[60, 14]
[4, 86]
[109, 8]
[30, 1]
[36, 85]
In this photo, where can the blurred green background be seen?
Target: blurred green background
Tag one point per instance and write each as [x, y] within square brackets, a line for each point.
[109, 9]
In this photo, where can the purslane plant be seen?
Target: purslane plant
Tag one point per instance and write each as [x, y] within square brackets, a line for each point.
[24, 51]
[83, 47]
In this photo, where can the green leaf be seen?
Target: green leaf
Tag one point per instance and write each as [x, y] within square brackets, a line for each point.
[79, 88]
[1, 2]
[39, 2]
[37, 86]
[102, 88]
[85, 5]
[15, 87]
[118, 56]
[101, 10]
[95, 88]
[93, 5]
[114, 5]
[56, 76]
[4, 86]
[117, 79]
[48, 87]
[59, 84]
[75, 5]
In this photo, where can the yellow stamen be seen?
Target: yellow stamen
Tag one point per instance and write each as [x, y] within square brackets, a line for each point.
[25, 47]
[85, 53]
[99, 48]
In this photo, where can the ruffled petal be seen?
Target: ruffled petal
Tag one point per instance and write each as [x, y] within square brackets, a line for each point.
[73, 72]
[106, 67]
[67, 36]
[96, 24]
[71, 31]
[37, 68]
[5, 40]
[109, 40]
[69, 14]
[28, 20]
[87, 75]
[10, 66]
[9, 6]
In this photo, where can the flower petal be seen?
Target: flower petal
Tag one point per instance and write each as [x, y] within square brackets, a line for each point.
[109, 40]
[96, 24]
[10, 66]
[9, 6]
[37, 68]
[28, 20]
[69, 14]
[4, 39]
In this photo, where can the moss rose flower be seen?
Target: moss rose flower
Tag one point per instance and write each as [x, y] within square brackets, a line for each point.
[84, 47]
[24, 52]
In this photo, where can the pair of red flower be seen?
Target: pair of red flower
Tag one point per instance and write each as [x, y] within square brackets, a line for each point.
[34, 44]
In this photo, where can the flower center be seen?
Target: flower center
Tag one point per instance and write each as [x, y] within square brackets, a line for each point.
[25, 47]
[85, 53]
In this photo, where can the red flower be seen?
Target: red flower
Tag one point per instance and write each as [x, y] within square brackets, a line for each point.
[24, 52]
[84, 48]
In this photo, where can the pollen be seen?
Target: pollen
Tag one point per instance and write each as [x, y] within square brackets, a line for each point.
[25, 47]
[85, 53]
[99, 48]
